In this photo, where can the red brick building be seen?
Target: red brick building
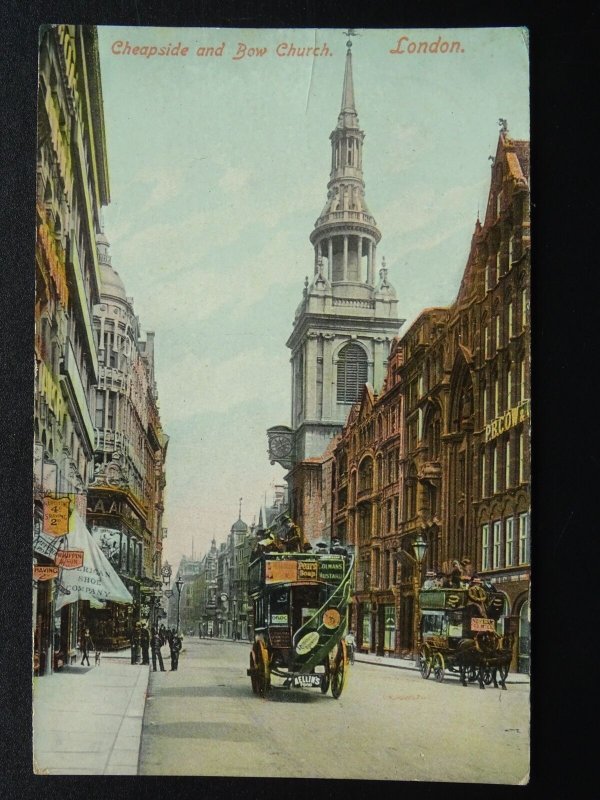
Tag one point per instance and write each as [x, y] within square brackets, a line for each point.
[444, 449]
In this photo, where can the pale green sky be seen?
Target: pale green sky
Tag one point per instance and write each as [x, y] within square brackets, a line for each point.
[218, 170]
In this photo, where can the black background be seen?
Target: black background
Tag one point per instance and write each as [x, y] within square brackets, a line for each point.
[565, 203]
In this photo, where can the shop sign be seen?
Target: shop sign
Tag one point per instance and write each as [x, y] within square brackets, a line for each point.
[281, 571]
[479, 624]
[307, 571]
[507, 421]
[43, 573]
[331, 571]
[69, 559]
[56, 516]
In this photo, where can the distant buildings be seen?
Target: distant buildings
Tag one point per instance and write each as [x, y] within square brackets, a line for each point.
[214, 599]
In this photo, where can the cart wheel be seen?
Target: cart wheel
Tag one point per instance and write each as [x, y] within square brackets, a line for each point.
[253, 672]
[425, 661]
[439, 667]
[338, 676]
[473, 674]
[263, 669]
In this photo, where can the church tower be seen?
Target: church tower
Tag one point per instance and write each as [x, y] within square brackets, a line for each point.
[347, 318]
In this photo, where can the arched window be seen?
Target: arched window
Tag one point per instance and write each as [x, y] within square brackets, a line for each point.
[351, 373]
[365, 474]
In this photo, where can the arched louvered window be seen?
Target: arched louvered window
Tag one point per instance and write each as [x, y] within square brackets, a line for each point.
[351, 373]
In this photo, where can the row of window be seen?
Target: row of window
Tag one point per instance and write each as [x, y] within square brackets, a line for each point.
[501, 261]
[502, 395]
[503, 464]
[506, 542]
[495, 335]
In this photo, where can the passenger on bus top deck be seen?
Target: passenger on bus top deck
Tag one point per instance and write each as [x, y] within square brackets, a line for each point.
[456, 575]
[467, 569]
[430, 580]
[336, 547]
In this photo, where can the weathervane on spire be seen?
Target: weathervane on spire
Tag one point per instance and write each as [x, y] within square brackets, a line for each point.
[350, 32]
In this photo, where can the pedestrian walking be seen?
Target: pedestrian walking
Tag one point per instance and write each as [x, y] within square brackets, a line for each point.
[175, 645]
[145, 644]
[135, 643]
[350, 645]
[86, 645]
[156, 644]
[162, 632]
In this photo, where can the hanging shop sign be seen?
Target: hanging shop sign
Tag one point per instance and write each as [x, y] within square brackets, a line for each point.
[69, 559]
[56, 516]
[483, 624]
[43, 573]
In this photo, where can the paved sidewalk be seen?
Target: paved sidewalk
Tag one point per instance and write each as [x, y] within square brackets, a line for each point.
[88, 720]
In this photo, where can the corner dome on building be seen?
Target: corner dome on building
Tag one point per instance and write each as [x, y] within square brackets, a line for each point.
[111, 283]
[239, 526]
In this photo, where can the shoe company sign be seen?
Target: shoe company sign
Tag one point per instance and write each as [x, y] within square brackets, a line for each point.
[507, 421]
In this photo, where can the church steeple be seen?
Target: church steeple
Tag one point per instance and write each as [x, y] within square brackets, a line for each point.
[348, 107]
[345, 236]
[348, 314]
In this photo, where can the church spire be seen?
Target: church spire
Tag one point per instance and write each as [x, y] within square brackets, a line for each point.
[345, 236]
[348, 106]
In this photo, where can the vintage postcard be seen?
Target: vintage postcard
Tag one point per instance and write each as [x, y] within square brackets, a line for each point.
[282, 404]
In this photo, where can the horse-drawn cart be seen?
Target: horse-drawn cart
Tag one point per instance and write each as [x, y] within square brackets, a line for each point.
[458, 634]
[300, 606]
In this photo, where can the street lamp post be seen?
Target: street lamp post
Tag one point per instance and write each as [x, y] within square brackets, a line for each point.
[420, 548]
[179, 585]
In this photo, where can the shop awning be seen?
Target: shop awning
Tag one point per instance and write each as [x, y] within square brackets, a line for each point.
[95, 580]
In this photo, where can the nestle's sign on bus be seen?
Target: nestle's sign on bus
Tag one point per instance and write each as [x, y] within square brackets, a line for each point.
[479, 624]
[507, 421]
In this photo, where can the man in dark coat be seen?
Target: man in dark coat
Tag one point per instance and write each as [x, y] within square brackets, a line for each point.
[86, 646]
[175, 645]
[155, 644]
[145, 643]
[135, 643]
